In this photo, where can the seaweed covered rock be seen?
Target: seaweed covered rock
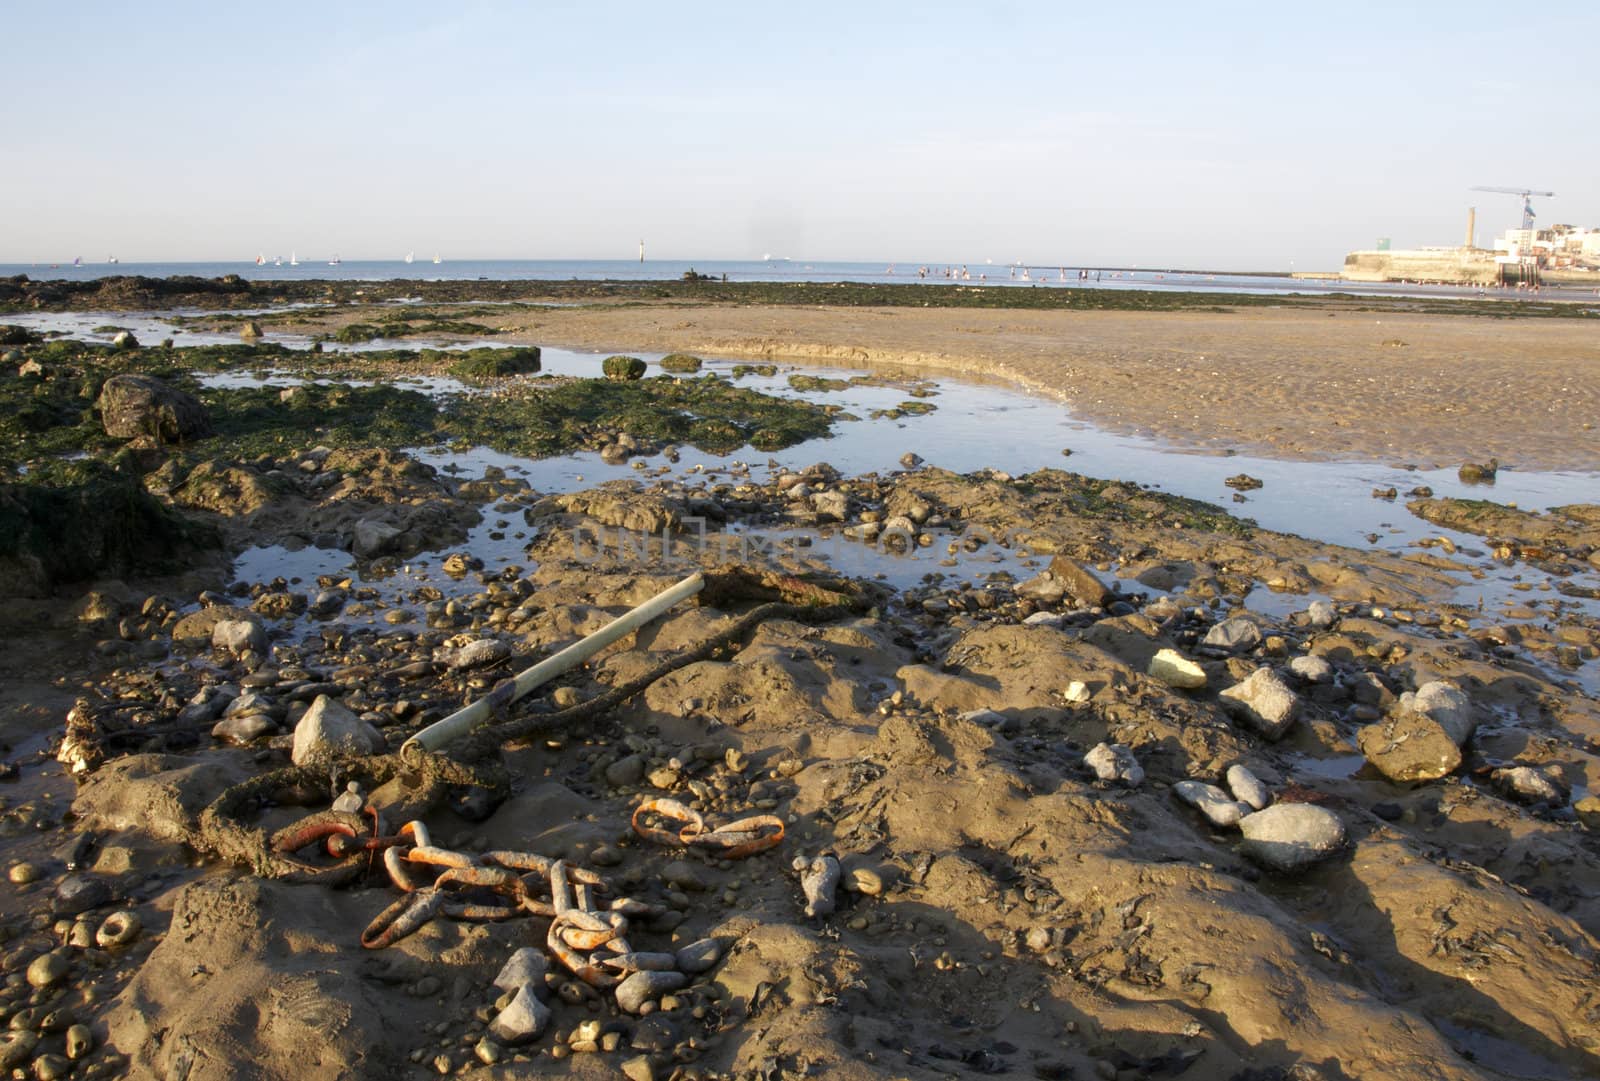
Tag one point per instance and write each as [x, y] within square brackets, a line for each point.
[496, 363]
[680, 363]
[622, 368]
[142, 406]
[103, 523]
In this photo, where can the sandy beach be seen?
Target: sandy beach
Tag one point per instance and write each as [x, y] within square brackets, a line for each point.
[1392, 387]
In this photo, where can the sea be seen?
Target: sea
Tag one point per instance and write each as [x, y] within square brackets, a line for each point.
[1014, 275]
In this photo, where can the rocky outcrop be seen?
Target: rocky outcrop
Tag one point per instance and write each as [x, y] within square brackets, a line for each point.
[143, 407]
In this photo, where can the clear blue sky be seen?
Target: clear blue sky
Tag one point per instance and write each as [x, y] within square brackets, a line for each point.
[1229, 135]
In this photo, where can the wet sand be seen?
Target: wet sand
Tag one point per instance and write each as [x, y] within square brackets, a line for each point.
[1426, 390]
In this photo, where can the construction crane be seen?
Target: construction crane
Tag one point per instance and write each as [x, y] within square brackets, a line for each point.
[1527, 201]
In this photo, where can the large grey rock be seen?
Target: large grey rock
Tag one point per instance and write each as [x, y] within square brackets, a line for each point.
[1212, 802]
[641, 987]
[1312, 669]
[1322, 614]
[480, 653]
[239, 635]
[1236, 635]
[1291, 836]
[1529, 784]
[244, 729]
[1080, 582]
[329, 730]
[525, 968]
[523, 1019]
[373, 537]
[699, 956]
[136, 406]
[1263, 702]
[1115, 762]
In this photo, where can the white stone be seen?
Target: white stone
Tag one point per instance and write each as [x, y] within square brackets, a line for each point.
[1176, 670]
[1446, 705]
[1212, 802]
[1077, 692]
[1237, 635]
[328, 729]
[1115, 762]
[1312, 669]
[1247, 787]
[238, 635]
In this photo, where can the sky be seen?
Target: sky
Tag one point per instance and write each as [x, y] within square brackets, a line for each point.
[1214, 135]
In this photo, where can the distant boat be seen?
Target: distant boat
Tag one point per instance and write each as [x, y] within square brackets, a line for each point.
[277, 260]
[436, 259]
[261, 260]
[410, 255]
[77, 260]
[334, 261]
[112, 259]
[293, 260]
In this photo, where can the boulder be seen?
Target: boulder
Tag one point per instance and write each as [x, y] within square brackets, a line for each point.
[1263, 702]
[1247, 787]
[329, 730]
[1176, 670]
[523, 1019]
[1291, 836]
[1236, 635]
[1080, 583]
[622, 369]
[1422, 739]
[141, 406]
[239, 635]
[373, 537]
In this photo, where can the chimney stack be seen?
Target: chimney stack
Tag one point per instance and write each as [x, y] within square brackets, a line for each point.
[1472, 226]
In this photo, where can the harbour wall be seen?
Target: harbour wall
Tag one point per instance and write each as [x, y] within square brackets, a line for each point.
[1460, 265]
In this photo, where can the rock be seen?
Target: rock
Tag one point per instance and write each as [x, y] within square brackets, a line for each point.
[525, 968]
[1236, 635]
[16, 1047]
[118, 930]
[626, 771]
[243, 729]
[480, 653]
[1529, 784]
[79, 1042]
[51, 1067]
[1422, 739]
[1086, 590]
[47, 970]
[489, 1053]
[1312, 669]
[1322, 614]
[1243, 482]
[1115, 762]
[239, 635]
[1444, 703]
[1212, 802]
[1263, 702]
[622, 369]
[142, 406]
[251, 331]
[641, 987]
[819, 880]
[832, 504]
[654, 1033]
[1176, 670]
[329, 730]
[523, 1019]
[700, 956]
[23, 872]
[79, 893]
[1247, 787]
[1409, 747]
[638, 1068]
[1478, 472]
[373, 537]
[1077, 693]
[683, 875]
[1290, 836]
[124, 339]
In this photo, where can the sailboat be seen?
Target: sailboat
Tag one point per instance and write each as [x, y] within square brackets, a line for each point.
[410, 255]
[436, 259]
[77, 260]
[277, 260]
[261, 260]
[112, 259]
[293, 259]
[334, 261]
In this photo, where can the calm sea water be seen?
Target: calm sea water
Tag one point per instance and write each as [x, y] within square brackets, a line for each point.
[771, 270]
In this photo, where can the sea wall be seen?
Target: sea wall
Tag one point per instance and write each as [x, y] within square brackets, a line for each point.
[1429, 265]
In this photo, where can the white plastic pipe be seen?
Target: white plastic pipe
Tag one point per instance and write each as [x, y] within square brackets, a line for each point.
[441, 732]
